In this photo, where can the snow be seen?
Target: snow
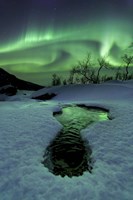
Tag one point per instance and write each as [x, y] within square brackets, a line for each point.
[27, 126]
[88, 92]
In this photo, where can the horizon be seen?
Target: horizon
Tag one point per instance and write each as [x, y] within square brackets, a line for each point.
[46, 77]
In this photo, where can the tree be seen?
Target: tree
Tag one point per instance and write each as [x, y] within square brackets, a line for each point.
[118, 74]
[83, 72]
[64, 82]
[71, 77]
[127, 60]
[56, 80]
[102, 64]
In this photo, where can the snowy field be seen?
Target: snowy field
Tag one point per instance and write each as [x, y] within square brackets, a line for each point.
[27, 126]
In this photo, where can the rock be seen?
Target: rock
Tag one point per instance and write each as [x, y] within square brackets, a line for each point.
[9, 79]
[8, 90]
[46, 96]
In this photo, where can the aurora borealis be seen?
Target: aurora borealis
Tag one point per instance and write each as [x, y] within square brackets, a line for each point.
[40, 37]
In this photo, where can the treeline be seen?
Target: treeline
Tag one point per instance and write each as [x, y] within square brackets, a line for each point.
[84, 72]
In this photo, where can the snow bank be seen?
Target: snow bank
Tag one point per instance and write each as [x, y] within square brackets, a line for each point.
[104, 91]
[26, 129]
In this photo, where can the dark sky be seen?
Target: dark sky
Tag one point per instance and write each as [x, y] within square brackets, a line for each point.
[52, 35]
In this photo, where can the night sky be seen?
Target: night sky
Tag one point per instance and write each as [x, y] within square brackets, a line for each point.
[39, 37]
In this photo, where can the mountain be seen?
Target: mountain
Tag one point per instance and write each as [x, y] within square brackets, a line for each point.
[9, 79]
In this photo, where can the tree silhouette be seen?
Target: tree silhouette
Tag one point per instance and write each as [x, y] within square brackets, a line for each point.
[127, 60]
[102, 64]
[83, 72]
[56, 80]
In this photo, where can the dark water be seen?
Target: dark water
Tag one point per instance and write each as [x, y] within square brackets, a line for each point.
[68, 154]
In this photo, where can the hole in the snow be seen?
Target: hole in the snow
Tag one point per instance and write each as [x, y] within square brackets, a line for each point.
[68, 154]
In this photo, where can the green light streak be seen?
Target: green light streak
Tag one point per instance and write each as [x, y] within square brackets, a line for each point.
[55, 50]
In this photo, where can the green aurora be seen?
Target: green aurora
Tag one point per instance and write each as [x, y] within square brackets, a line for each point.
[49, 48]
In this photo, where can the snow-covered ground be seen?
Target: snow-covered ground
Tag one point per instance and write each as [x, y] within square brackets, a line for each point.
[27, 127]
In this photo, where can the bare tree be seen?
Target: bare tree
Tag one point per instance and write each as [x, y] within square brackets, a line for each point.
[56, 80]
[64, 82]
[102, 64]
[118, 74]
[83, 72]
[127, 60]
[71, 77]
